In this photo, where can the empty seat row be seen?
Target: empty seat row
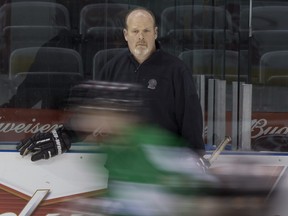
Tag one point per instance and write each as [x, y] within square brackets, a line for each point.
[261, 42]
[110, 15]
[48, 24]
[203, 15]
[51, 59]
[31, 64]
[272, 70]
[186, 31]
[62, 60]
[45, 13]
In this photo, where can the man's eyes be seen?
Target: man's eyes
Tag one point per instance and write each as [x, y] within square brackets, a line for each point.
[137, 31]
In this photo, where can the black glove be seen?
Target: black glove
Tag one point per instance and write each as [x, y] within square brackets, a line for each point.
[45, 145]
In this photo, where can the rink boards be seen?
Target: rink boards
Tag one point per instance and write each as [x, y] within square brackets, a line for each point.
[77, 175]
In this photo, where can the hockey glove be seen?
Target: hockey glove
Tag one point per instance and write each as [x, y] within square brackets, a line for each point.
[45, 145]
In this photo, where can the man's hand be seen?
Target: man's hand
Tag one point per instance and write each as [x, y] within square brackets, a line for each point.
[45, 145]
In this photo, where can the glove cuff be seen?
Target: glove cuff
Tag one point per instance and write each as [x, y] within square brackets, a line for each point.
[62, 139]
[57, 141]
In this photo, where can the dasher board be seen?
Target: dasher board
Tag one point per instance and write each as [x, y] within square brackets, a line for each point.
[65, 176]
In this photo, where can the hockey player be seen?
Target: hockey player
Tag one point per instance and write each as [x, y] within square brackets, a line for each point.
[151, 171]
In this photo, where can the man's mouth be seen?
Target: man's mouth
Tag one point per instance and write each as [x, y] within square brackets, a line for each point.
[141, 44]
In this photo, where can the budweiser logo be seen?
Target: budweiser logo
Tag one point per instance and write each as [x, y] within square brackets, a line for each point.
[24, 127]
[18, 130]
[260, 127]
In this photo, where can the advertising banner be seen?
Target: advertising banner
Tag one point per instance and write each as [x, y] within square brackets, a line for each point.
[16, 124]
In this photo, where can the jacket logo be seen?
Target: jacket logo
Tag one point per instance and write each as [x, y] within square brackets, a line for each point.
[152, 83]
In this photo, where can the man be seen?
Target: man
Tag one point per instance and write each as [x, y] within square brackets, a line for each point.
[174, 102]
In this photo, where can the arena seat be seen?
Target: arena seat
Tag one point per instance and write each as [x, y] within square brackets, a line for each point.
[194, 17]
[265, 18]
[196, 27]
[27, 24]
[179, 40]
[34, 14]
[274, 68]
[211, 62]
[45, 59]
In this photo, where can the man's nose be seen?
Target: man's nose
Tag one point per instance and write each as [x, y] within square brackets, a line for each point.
[140, 35]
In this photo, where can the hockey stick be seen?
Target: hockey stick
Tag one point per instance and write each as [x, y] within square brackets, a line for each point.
[36, 199]
[219, 149]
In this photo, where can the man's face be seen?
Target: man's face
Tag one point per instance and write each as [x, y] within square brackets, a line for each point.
[140, 35]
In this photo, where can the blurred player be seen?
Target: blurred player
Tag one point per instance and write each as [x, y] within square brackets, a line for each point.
[151, 172]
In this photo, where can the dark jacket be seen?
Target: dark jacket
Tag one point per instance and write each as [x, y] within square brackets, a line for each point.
[174, 102]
